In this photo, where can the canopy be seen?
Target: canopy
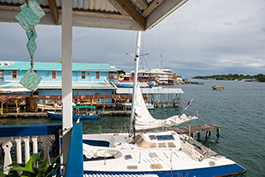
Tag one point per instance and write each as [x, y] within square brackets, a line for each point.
[83, 107]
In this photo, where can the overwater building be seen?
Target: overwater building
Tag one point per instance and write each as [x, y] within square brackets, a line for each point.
[87, 78]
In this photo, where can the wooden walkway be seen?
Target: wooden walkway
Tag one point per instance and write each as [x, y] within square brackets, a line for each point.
[25, 114]
[194, 129]
[44, 114]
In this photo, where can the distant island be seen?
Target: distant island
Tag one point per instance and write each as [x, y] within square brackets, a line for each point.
[257, 78]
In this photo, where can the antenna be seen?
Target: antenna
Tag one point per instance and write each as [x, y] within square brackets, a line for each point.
[161, 57]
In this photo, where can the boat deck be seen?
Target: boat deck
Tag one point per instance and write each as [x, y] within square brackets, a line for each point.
[194, 129]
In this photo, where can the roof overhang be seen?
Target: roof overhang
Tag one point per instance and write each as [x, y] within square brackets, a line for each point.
[138, 15]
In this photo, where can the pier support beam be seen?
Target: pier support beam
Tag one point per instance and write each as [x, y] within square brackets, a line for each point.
[218, 132]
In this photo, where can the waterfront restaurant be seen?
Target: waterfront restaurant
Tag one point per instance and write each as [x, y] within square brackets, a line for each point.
[137, 15]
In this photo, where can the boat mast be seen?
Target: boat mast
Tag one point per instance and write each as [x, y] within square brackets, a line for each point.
[137, 56]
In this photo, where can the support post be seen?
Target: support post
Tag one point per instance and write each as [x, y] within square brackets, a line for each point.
[199, 136]
[67, 121]
[218, 132]
[206, 136]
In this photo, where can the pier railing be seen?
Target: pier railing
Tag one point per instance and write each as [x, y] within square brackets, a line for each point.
[27, 138]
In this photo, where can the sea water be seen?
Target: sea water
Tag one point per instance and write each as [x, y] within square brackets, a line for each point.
[238, 109]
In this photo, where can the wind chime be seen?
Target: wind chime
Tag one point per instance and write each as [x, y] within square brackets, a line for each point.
[28, 18]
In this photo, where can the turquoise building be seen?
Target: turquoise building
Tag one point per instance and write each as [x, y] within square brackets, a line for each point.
[88, 79]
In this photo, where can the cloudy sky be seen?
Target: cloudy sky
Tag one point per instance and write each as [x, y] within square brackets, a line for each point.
[214, 37]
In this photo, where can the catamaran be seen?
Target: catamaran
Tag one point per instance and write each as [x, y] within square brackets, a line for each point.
[162, 153]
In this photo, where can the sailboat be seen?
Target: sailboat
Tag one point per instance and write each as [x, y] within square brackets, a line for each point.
[163, 153]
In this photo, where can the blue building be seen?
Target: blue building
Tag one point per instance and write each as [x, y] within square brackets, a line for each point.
[88, 79]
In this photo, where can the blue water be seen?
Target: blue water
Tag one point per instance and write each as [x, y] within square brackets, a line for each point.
[239, 109]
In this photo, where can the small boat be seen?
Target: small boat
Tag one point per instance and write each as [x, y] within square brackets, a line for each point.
[215, 87]
[79, 112]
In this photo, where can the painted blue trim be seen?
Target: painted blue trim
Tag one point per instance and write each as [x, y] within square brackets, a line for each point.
[29, 130]
[202, 172]
[75, 157]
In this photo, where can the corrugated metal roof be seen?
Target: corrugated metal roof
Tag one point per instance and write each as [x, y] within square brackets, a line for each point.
[58, 66]
[101, 5]
[153, 90]
[58, 85]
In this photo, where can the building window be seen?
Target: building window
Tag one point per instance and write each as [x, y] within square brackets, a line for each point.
[97, 75]
[54, 74]
[14, 74]
[83, 75]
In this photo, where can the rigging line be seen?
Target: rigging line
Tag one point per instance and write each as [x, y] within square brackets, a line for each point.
[108, 48]
[144, 61]
[185, 63]
[156, 48]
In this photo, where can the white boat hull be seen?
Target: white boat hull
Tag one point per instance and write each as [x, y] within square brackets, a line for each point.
[134, 160]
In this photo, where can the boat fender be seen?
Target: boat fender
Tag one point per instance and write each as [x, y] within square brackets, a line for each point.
[212, 163]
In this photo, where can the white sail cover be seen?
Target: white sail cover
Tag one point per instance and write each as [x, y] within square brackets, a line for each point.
[144, 120]
[96, 151]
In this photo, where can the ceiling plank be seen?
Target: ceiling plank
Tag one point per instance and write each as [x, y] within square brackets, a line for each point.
[54, 11]
[142, 3]
[130, 9]
[151, 7]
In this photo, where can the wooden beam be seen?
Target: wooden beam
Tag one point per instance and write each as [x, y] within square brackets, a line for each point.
[142, 3]
[151, 7]
[54, 11]
[127, 6]
[162, 11]
[118, 7]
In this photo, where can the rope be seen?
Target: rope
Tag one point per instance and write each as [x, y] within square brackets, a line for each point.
[108, 47]
[182, 53]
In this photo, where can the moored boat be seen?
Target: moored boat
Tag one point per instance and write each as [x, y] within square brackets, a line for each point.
[80, 112]
[163, 153]
[215, 87]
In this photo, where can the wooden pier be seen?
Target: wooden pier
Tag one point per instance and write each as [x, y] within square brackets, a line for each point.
[25, 114]
[194, 129]
[44, 114]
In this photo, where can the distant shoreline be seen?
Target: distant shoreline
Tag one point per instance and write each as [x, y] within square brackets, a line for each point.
[235, 77]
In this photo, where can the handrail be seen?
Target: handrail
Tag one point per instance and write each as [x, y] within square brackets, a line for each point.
[27, 133]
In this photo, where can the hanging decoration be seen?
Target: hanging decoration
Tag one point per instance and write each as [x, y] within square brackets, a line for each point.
[28, 18]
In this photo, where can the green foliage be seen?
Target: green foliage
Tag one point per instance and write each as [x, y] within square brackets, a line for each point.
[259, 77]
[30, 168]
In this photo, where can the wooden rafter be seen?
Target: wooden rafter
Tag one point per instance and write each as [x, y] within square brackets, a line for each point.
[130, 9]
[142, 3]
[151, 7]
[54, 11]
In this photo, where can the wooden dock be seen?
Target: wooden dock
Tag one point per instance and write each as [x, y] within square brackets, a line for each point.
[44, 114]
[194, 129]
[25, 115]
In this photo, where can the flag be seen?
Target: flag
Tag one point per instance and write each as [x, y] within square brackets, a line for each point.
[188, 103]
